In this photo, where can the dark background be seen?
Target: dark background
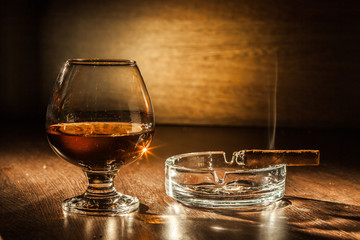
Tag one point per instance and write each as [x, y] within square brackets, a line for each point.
[205, 62]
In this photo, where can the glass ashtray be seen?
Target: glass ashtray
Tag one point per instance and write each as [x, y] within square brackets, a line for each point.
[208, 180]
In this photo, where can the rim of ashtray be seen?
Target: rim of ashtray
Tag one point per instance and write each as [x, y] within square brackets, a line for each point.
[170, 162]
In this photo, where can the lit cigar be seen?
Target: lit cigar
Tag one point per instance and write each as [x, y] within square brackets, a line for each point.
[262, 158]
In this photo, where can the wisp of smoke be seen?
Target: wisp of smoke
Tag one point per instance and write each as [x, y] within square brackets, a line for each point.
[272, 111]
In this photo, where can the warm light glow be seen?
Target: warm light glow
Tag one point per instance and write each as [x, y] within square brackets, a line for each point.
[146, 151]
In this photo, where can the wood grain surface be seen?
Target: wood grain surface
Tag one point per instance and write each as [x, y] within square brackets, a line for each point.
[320, 202]
[213, 62]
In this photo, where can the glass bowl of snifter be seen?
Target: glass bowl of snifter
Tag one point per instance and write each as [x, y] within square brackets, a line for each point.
[100, 118]
[251, 179]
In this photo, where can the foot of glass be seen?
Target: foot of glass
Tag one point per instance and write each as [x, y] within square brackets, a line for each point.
[113, 206]
[101, 198]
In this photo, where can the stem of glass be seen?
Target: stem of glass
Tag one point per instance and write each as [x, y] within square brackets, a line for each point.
[100, 184]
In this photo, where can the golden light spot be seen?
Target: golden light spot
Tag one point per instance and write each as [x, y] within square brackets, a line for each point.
[146, 152]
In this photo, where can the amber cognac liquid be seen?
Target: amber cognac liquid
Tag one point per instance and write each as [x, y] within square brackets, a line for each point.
[99, 145]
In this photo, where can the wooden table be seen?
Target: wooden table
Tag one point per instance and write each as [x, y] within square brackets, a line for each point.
[320, 203]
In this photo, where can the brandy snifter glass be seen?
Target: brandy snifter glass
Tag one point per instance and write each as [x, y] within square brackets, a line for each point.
[100, 118]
